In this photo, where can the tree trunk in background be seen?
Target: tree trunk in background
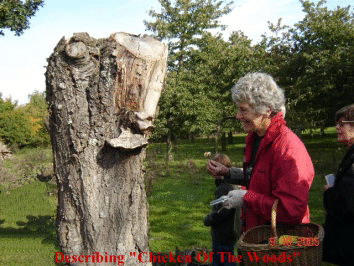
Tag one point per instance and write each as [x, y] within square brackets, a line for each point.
[102, 96]
[223, 142]
[169, 155]
[230, 138]
[218, 131]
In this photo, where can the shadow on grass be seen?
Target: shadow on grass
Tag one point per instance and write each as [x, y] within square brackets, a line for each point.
[36, 226]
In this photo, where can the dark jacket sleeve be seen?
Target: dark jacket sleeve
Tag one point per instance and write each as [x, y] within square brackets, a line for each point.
[339, 200]
[236, 177]
[219, 214]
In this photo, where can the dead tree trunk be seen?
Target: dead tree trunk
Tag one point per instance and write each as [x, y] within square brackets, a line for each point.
[102, 97]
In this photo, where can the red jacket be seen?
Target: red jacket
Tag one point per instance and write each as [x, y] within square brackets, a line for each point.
[283, 169]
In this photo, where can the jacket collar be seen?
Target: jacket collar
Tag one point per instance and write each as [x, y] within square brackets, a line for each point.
[271, 133]
[346, 163]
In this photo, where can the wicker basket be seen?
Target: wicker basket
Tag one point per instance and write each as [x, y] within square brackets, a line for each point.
[306, 251]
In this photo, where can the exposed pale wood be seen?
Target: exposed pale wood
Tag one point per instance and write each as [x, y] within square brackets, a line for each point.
[102, 96]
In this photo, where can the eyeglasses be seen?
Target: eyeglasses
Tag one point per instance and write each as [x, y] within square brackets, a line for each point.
[341, 123]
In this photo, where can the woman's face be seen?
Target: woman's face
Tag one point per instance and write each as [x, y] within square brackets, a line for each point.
[345, 131]
[250, 120]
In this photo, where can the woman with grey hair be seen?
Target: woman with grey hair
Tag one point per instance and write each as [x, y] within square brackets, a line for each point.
[276, 163]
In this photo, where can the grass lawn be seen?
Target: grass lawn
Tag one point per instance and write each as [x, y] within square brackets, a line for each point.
[181, 199]
[178, 202]
[27, 231]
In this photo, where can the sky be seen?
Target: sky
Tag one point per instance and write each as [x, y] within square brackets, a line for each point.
[23, 59]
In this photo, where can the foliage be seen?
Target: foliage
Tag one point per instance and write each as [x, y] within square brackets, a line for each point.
[202, 67]
[24, 126]
[24, 167]
[15, 125]
[201, 97]
[313, 61]
[37, 108]
[15, 15]
[182, 23]
[183, 109]
[218, 64]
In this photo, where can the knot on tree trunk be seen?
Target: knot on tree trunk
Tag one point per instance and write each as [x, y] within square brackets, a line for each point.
[79, 48]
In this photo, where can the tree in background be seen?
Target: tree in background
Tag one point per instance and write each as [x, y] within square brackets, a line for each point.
[37, 109]
[15, 15]
[182, 23]
[24, 125]
[314, 62]
[217, 65]
[324, 41]
[15, 125]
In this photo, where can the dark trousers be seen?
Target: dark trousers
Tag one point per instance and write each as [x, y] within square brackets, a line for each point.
[223, 255]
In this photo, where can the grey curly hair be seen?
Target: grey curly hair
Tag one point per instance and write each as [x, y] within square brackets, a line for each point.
[261, 91]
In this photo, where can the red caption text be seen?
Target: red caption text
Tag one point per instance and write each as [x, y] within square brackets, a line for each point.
[146, 257]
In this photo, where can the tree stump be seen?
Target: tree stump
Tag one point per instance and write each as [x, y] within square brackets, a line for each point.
[102, 96]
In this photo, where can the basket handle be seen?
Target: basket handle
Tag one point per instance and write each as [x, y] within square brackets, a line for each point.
[274, 218]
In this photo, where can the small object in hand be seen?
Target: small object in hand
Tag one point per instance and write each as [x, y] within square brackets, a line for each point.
[207, 154]
[330, 180]
[219, 200]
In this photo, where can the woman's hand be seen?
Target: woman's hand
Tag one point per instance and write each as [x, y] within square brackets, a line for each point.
[326, 187]
[216, 169]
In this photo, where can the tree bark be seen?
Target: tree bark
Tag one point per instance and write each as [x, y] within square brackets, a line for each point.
[102, 96]
[217, 134]
[223, 142]
[230, 138]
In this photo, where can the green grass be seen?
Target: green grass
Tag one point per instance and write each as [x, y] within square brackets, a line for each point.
[24, 166]
[178, 203]
[180, 200]
[27, 231]
[178, 206]
[176, 215]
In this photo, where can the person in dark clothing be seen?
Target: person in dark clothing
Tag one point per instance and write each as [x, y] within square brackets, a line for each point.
[222, 221]
[338, 199]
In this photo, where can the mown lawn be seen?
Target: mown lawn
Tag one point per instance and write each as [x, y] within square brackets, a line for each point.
[27, 232]
[178, 202]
